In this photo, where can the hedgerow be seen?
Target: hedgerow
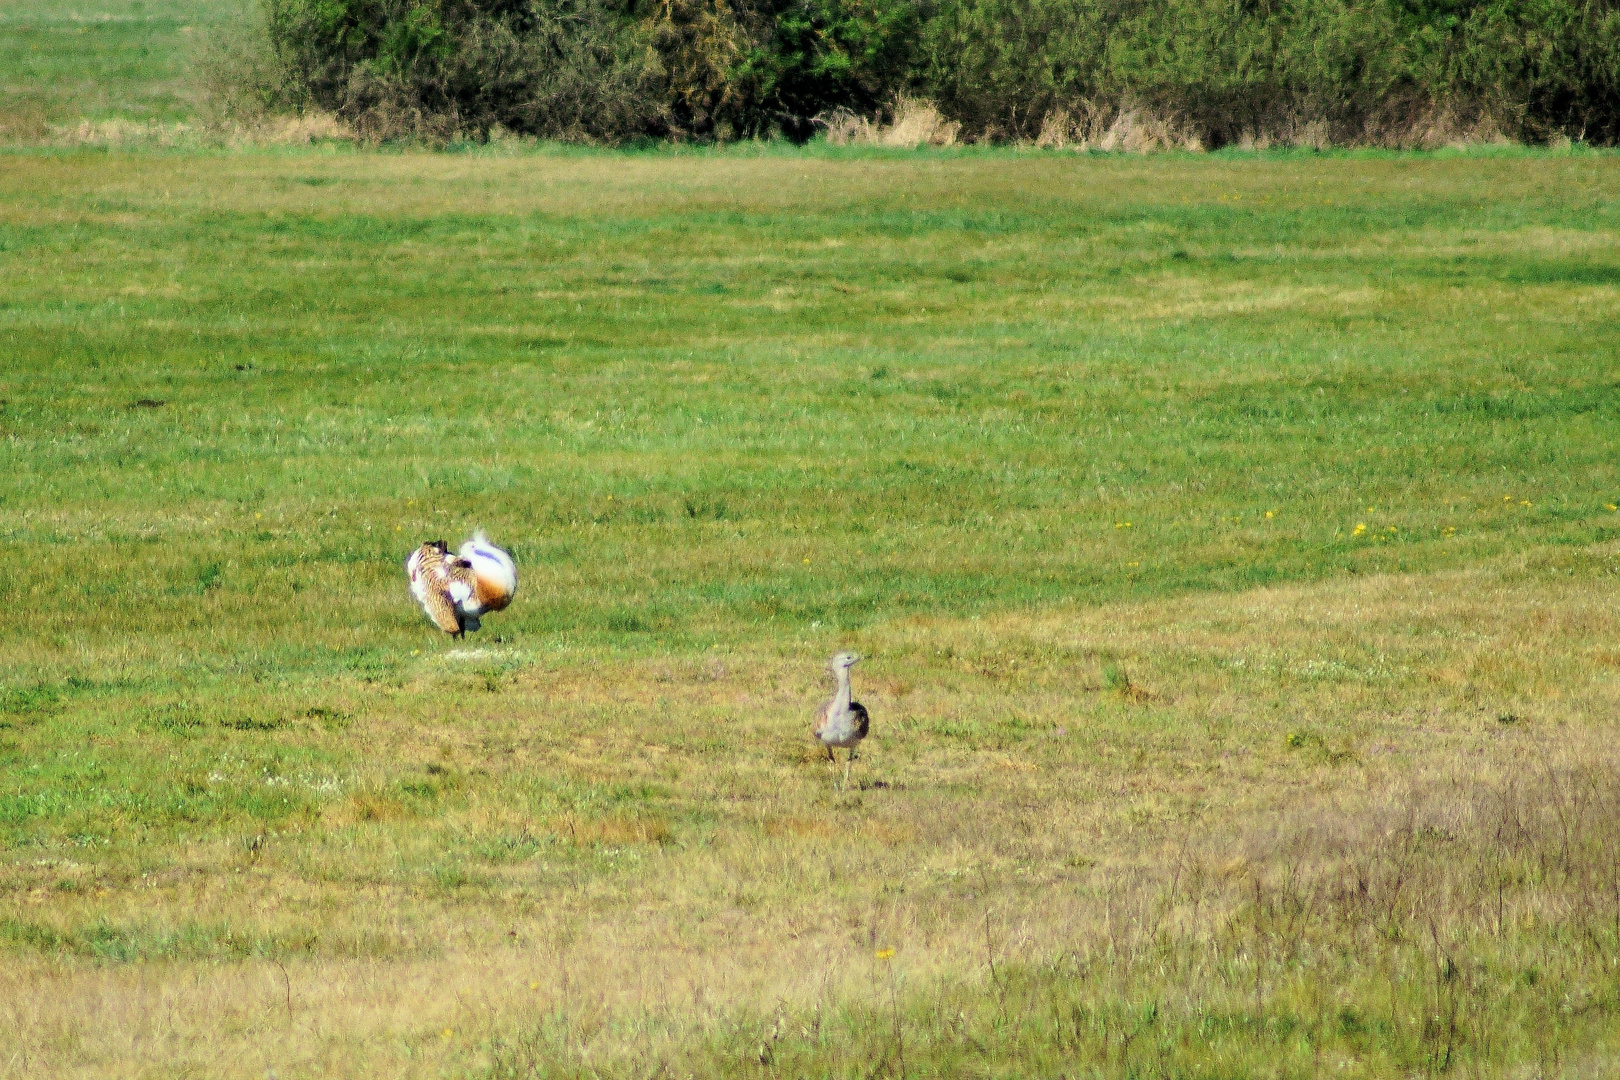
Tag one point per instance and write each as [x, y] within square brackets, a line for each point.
[1210, 72]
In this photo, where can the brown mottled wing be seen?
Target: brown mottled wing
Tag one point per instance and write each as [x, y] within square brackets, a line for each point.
[436, 602]
[431, 586]
[460, 570]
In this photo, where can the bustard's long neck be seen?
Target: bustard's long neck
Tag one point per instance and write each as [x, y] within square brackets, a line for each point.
[840, 701]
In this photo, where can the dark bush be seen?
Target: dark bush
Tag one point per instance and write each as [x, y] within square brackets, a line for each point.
[826, 54]
[739, 70]
[1379, 71]
[440, 68]
[701, 45]
[1389, 72]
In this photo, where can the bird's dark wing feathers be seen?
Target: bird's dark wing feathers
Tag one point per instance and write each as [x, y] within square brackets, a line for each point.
[863, 722]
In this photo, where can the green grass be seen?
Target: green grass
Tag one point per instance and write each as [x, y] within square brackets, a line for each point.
[62, 61]
[948, 383]
[1184, 505]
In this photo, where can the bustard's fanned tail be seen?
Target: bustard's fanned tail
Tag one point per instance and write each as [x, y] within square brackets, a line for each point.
[494, 575]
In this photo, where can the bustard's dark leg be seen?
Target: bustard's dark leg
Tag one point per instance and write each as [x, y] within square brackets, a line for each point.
[831, 756]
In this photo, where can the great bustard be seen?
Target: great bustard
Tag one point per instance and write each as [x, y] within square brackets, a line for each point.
[457, 590]
[842, 721]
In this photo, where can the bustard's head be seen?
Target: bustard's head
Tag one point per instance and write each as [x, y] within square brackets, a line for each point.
[843, 661]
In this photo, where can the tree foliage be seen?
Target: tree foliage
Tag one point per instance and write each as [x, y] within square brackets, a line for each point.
[1352, 70]
[562, 68]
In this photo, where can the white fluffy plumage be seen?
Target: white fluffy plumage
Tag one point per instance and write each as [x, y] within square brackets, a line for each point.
[494, 579]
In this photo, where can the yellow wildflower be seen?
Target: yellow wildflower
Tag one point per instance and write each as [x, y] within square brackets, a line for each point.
[885, 954]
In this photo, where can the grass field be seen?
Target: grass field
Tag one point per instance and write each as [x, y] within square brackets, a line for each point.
[1232, 539]
[67, 61]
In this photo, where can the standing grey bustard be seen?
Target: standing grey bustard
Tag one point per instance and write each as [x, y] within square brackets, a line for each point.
[842, 721]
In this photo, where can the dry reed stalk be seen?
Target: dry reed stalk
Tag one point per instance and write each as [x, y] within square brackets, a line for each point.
[1123, 127]
[915, 123]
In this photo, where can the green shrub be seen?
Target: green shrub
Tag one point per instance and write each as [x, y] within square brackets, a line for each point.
[701, 45]
[1210, 72]
[440, 68]
[826, 54]
[1376, 71]
[738, 70]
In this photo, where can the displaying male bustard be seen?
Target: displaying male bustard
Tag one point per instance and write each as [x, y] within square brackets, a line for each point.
[457, 590]
[842, 721]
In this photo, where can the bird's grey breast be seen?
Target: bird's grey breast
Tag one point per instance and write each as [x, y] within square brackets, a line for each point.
[839, 727]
